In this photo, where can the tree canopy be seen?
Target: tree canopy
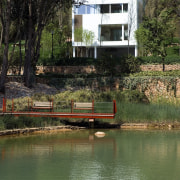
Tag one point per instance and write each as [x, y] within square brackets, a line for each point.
[29, 18]
[157, 30]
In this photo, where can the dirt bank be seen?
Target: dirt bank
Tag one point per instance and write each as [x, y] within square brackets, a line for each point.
[18, 90]
[39, 130]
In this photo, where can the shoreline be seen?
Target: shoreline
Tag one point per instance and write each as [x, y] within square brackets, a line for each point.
[124, 126]
[38, 130]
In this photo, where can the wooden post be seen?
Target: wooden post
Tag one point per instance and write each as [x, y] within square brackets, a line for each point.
[52, 105]
[31, 105]
[92, 106]
[4, 105]
[91, 123]
[28, 104]
[114, 107]
[72, 104]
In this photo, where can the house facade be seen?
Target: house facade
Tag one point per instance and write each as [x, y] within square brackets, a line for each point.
[110, 24]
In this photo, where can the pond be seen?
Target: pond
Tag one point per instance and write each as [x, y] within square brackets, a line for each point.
[80, 155]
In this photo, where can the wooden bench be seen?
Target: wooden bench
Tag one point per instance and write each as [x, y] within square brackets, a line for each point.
[83, 106]
[42, 105]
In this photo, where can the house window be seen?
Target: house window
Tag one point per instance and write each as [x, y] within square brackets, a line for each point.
[126, 32]
[116, 8]
[91, 9]
[111, 32]
[80, 10]
[104, 8]
[125, 8]
[85, 9]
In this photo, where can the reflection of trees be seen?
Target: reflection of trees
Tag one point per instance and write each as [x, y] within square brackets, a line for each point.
[120, 154]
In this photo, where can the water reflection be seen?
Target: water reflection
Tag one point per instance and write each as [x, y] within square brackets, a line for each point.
[81, 155]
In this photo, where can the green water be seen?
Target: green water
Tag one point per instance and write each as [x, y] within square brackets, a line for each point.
[79, 155]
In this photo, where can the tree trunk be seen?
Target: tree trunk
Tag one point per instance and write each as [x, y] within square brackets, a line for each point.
[1, 37]
[27, 64]
[128, 46]
[6, 27]
[163, 59]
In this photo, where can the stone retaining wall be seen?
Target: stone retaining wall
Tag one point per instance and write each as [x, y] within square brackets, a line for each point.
[153, 87]
[159, 67]
[90, 69]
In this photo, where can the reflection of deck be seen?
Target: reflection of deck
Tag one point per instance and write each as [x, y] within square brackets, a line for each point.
[80, 145]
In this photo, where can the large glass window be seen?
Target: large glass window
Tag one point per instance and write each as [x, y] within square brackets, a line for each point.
[116, 8]
[125, 8]
[111, 32]
[85, 9]
[80, 10]
[104, 8]
[91, 9]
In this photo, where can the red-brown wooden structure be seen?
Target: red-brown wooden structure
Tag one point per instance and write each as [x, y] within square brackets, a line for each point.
[32, 112]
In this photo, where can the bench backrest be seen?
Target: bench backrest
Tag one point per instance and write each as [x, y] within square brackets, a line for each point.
[83, 105]
[42, 104]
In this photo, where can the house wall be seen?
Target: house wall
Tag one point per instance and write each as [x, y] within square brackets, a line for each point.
[94, 22]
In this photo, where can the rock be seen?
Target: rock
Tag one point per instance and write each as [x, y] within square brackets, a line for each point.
[100, 134]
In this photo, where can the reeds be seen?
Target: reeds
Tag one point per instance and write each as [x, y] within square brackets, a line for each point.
[138, 112]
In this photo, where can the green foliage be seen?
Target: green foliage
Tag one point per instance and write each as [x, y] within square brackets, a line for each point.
[173, 74]
[170, 59]
[1, 124]
[156, 33]
[88, 37]
[149, 60]
[78, 34]
[174, 50]
[78, 61]
[11, 122]
[136, 113]
[106, 65]
[130, 65]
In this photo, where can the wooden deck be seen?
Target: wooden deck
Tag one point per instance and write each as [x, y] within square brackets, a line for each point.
[83, 107]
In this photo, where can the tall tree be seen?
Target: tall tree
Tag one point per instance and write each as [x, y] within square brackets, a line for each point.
[5, 15]
[39, 13]
[156, 34]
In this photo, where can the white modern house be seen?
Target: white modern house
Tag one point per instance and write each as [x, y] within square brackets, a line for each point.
[112, 23]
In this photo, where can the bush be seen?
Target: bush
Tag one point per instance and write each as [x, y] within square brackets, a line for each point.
[113, 66]
[106, 65]
[130, 65]
[1, 124]
[67, 61]
[149, 60]
[171, 59]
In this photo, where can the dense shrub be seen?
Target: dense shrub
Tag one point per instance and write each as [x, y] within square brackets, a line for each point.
[1, 124]
[67, 62]
[113, 66]
[129, 65]
[175, 73]
[173, 59]
[174, 50]
[106, 65]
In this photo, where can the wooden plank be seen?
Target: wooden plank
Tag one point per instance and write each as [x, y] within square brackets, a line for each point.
[83, 105]
[43, 104]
